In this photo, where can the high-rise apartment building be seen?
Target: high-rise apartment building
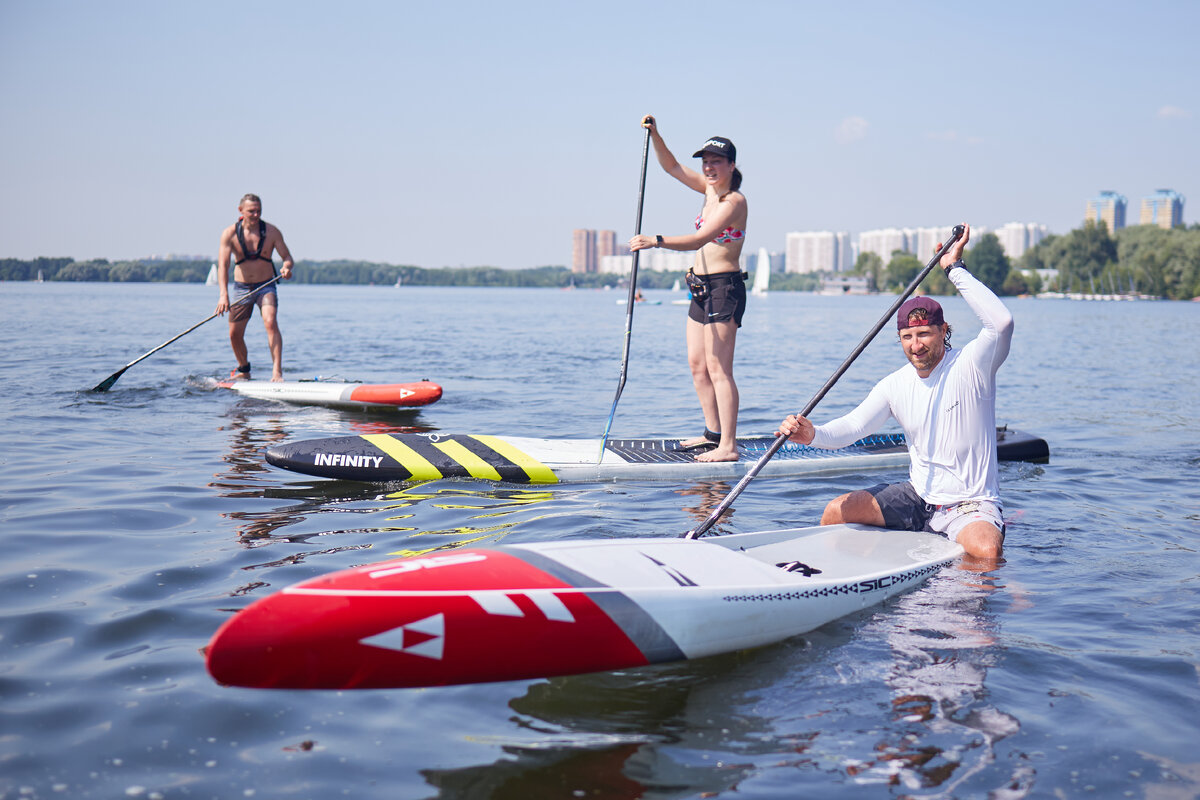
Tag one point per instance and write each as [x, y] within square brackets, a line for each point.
[583, 250]
[818, 251]
[846, 252]
[606, 244]
[886, 241]
[1017, 237]
[652, 260]
[924, 242]
[1164, 208]
[1107, 207]
[589, 246]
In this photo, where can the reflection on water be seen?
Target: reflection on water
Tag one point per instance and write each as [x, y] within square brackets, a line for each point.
[627, 734]
[796, 708]
[710, 495]
[251, 432]
[472, 511]
[537, 773]
[249, 437]
[363, 423]
[491, 503]
[942, 641]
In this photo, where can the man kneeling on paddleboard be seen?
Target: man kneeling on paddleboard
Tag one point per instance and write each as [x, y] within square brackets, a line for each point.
[945, 400]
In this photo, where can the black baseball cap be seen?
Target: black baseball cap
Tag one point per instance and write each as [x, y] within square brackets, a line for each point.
[718, 146]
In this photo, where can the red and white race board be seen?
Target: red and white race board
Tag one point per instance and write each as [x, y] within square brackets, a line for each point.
[340, 394]
[520, 611]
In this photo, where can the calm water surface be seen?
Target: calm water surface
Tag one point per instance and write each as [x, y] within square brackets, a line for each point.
[135, 522]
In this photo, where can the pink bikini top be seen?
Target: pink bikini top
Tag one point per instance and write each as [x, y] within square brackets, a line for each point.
[730, 234]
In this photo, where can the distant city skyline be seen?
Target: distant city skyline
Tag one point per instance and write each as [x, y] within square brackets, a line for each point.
[818, 251]
[829, 251]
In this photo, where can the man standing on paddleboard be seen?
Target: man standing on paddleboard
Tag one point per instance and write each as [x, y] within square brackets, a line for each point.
[945, 400]
[250, 242]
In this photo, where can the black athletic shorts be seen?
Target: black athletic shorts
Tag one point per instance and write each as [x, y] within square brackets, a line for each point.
[903, 509]
[726, 299]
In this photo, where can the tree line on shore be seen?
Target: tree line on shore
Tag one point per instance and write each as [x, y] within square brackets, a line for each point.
[1141, 259]
[356, 272]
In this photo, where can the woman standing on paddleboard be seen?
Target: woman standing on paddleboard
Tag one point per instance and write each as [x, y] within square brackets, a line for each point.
[716, 281]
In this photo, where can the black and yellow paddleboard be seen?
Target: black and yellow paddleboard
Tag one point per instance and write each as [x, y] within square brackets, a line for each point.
[386, 457]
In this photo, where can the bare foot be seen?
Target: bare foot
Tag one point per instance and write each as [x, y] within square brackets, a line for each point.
[277, 377]
[688, 444]
[719, 454]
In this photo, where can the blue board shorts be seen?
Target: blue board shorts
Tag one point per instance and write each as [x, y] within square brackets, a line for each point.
[903, 509]
[243, 311]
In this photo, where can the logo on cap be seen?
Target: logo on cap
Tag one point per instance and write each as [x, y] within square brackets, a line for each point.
[719, 146]
[919, 311]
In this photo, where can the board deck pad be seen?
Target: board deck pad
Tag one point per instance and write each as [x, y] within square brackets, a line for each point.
[667, 451]
[430, 456]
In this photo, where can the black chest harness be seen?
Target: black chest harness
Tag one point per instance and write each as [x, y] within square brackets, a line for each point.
[262, 239]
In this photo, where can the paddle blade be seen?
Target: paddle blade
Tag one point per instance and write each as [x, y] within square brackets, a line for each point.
[107, 383]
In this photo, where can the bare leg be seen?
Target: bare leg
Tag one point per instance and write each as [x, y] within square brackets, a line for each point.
[860, 507]
[237, 340]
[982, 541]
[274, 339]
[698, 363]
[719, 341]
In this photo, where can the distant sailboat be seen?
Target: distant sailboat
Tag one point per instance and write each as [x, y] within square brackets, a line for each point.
[212, 276]
[41, 278]
[762, 272]
[681, 301]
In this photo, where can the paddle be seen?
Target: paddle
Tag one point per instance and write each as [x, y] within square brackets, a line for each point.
[106, 384]
[724, 505]
[637, 229]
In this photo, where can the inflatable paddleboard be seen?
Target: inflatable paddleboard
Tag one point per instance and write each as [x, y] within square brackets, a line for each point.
[340, 394]
[524, 611]
[428, 456]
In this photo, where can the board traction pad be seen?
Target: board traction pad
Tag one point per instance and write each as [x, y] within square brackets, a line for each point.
[665, 451]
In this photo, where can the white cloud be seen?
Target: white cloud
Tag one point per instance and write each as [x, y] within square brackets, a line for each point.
[851, 129]
[1173, 112]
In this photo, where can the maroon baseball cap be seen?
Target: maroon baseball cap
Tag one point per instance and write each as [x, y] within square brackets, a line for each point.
[919, 311]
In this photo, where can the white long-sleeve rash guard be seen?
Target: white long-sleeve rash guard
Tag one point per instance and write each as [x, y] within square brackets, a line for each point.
[948, 418]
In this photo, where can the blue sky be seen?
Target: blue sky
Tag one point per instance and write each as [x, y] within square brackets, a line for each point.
[482, 133]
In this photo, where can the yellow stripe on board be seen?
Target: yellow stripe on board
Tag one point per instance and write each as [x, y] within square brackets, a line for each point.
[475, 466]
[536, 470]
[404, 455]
